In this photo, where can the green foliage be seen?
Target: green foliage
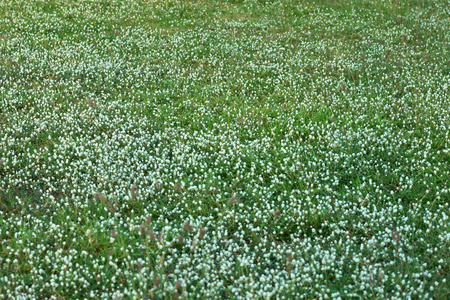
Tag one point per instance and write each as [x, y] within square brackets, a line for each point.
[279, 149]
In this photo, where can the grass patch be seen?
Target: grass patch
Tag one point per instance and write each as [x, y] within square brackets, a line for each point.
[265, 149]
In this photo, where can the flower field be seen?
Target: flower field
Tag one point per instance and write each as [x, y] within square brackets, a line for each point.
[244, 149]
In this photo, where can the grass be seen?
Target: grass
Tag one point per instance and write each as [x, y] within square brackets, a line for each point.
[280, 149]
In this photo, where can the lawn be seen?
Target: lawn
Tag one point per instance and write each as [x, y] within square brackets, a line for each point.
[238, 149]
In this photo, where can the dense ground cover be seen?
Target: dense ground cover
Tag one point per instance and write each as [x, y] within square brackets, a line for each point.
[212, 149]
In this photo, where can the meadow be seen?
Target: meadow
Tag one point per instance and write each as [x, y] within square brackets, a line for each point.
[238, 149]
